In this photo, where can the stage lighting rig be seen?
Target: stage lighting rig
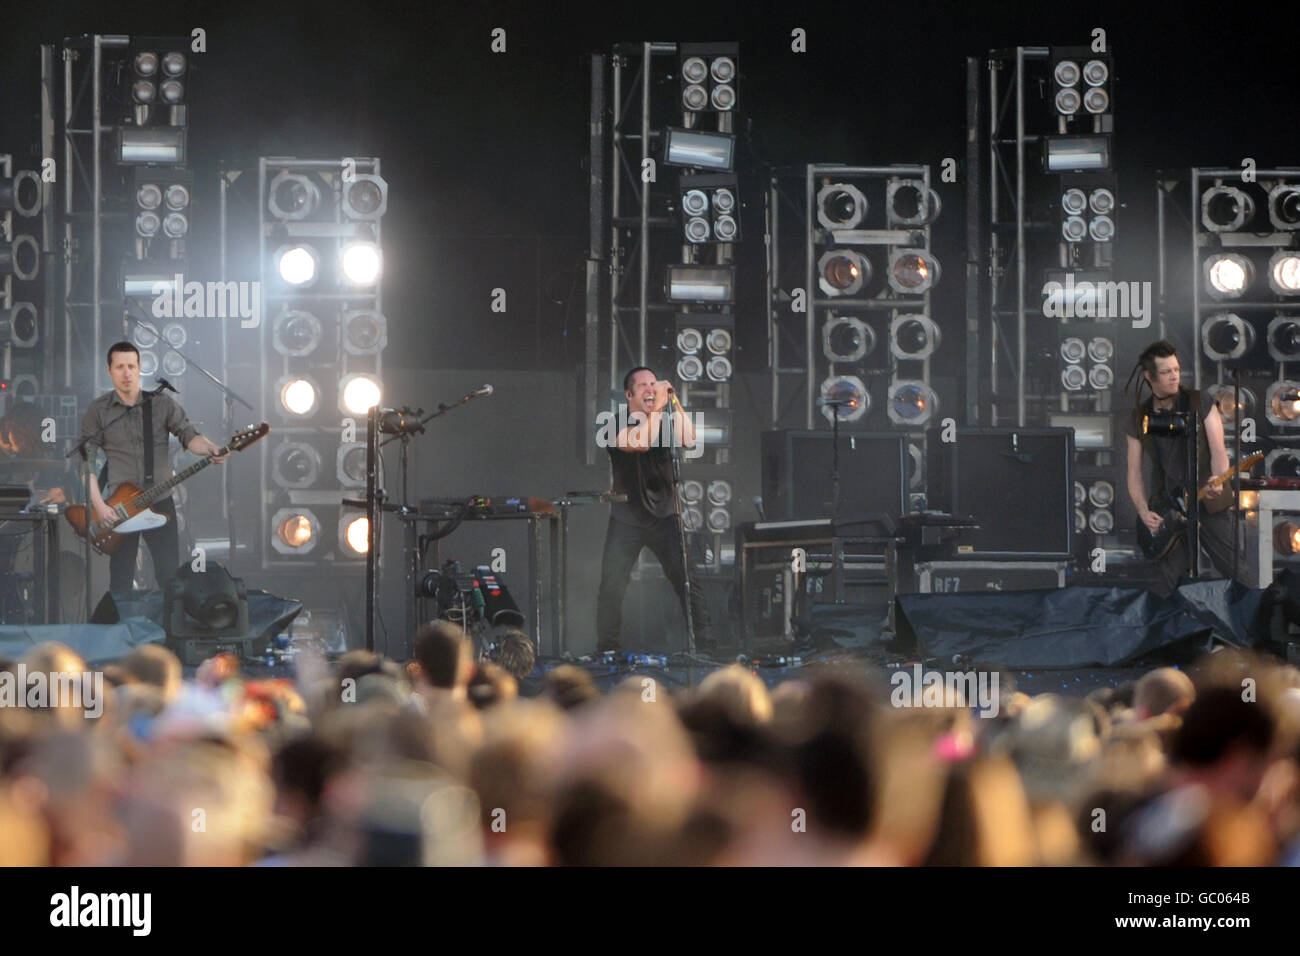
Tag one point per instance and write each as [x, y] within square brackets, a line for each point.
[1226, 337]
[365, 332]
[21, 192]
[154, 89]
[708, 74]
[296, 333]
[909, 202]
[19, 325]
[911, 403]
[710, 208]
[20, 257]
[849, 390]
[913, 337]
[912, 271]
[1282, 403]
[841, 206]
[842, 272]
[1225, 401]
[365, 197]
[293, 197]
[350, 465]
[704, 284]
[846, 338]
[1282, 463]
[1286, 537]
[361, 262]
[1226, 209]
[1284, 207]
[1228, 275]
[700, 149]
[1080, 82]
[1067, 154]
[297, 264]
[299, 396]
[1284, 272]
[353, 534]
[358, 393]
[297, 531]
[295, 465]
[1284, 338]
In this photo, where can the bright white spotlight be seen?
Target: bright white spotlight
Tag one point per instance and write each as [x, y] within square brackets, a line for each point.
[357, 534]
[1228, 275]
[297, 265]
[1284, 272]
[299, 396]
[361, 262]
[358, 393]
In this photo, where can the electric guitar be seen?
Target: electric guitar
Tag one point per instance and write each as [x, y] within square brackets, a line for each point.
[1173, 509]
[131, 505]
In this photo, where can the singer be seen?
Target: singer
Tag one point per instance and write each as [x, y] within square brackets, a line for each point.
[130, 458]
[642, 468]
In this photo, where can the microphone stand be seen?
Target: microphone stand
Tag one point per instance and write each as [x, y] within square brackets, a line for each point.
[1194, 504]
[674, 407]
[837, 557]
[404, 424]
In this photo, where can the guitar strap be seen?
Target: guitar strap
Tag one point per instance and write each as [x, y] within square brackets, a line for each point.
[148, 442]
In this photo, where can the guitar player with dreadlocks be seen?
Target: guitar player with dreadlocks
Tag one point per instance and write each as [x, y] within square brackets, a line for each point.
[1165, 457]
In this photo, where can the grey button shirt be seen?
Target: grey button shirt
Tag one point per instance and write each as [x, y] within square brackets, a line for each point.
[123, 443]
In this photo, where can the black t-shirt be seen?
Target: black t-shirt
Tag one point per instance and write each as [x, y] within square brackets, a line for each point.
[646, 477]
[1168, 454]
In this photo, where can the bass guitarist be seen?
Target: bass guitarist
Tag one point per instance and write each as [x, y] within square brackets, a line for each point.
[1167, 459]
[131, 459]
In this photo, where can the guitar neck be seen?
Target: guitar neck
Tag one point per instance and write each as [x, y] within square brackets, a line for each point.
[146, 498]
[1218, 480]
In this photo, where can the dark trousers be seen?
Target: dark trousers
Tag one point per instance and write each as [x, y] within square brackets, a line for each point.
[164, 547]
[1216, 541]
[623, 544]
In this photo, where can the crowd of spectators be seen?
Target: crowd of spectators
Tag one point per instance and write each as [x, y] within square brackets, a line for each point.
[364, 761]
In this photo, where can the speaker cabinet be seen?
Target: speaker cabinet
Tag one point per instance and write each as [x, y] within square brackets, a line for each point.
[1016, 482]
[797, 467]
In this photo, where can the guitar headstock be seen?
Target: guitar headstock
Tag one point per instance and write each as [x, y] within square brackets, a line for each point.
[242, 439]
[1251, 460]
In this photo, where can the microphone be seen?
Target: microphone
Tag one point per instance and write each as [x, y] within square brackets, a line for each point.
[485, 390]
[758, 506]
[164, 385]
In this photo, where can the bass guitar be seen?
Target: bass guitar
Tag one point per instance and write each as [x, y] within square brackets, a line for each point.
[131, 506]
[1173, 509]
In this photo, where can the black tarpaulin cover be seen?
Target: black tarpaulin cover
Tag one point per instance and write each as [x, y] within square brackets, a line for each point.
[1081, 627]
